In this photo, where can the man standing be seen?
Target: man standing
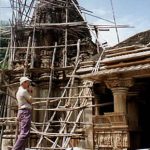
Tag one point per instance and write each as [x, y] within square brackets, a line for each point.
[24, 99]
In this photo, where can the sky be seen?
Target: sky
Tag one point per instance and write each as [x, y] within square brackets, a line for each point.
[135, 13]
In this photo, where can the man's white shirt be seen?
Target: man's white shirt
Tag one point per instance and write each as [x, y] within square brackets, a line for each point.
[23, 97]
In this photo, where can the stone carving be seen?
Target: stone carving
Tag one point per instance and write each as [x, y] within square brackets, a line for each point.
[117, 142]
[119, 82]
[114, 140]
[107, 140]
[125, 140]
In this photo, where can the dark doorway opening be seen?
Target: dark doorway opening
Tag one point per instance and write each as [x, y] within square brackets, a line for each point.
[140, 137]
[144, 112]
[104, 97]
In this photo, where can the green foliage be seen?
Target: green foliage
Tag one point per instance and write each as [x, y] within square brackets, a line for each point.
[3, 67]
[2, 54]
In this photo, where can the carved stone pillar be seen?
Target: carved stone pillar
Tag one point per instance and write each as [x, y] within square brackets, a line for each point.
[119, 89]
[120, 94]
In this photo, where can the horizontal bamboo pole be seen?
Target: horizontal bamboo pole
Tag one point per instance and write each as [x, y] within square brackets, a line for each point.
[42, 47]
[73, 108]
[9, 136]
[54, 98]
[8, 118]
[61, 109]
[68, 122]
[68, 24]
[76, 87]
[8, 123]
[47, 148]
[54, 134]
[9, 131]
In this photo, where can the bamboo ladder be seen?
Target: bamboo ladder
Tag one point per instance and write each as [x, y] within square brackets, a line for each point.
[62, 135]
[84, 103]
[68, 113]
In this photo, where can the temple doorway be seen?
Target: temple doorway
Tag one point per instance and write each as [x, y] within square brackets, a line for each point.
[138, 112]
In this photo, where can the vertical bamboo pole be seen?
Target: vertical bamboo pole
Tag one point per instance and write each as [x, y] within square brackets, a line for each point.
[14, 50]
[52, 70]
[97, 42]
[33, 39]
[6, 54]
[117, 33]
[11, 49]
[72, 82]
[12, 36]
[27, 55]
[66, 39]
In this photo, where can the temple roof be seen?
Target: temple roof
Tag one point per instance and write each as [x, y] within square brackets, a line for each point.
[129, 58]
[142, 38]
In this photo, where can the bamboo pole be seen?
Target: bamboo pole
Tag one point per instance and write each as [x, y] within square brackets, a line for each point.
[45, 47]
[48, 148]
[74, 108]
[33, 39]
[62, 109]
[66, 39]
[60, 98]
[27, 55]
[72, 82]
[10, 52]
[6, 55]
[63, 121]
[54, 134]
[55, 25]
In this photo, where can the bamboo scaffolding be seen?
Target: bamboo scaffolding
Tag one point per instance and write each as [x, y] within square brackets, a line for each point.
[68, 103]
[21, 11]
[29, 10]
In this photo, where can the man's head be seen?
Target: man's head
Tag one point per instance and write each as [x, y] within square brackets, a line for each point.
[25, 82]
